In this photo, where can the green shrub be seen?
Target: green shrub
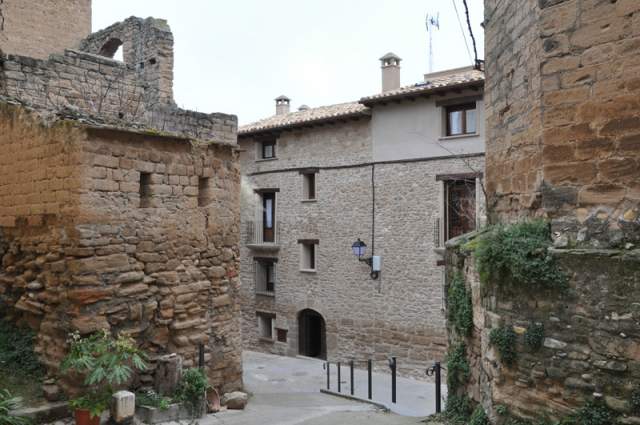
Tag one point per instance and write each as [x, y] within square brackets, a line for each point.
[192, 390]
[516, 255]
[150, 398]
[534, 337]
[457, 368]
[504, 340]
[7, 404]
[479, 417]
[592, 413]
[459, 305]
[458, 409]
[16, 351]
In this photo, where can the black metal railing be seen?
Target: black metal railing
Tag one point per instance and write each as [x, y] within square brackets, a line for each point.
[435, 371]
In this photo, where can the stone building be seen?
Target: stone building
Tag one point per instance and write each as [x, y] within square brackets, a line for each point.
[563, 143]
[379, 170]
[118, 210]
[38, 28]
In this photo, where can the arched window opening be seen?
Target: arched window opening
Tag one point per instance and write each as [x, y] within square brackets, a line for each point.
[112, 49]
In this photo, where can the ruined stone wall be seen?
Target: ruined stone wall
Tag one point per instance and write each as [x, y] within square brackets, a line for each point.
[401, 313]
[165, 272]
[562, 132]
[38, 28]
[135, 93]
[563, 115]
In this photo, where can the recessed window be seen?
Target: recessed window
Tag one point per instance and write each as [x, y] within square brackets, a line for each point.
[281, 335]
[265, 275]
[145, 190]
[268, 149]
[460, 207]
[309, 186]
[461, 119]
[204, 192]
[308, 250]
[265, 325]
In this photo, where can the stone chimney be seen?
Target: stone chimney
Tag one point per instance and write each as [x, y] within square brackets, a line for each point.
[390, 72]
[282, 105]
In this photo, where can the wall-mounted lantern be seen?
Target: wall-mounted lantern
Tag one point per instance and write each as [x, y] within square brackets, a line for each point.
[359, 249]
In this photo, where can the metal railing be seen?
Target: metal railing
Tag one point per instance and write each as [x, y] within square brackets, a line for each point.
[256, 235]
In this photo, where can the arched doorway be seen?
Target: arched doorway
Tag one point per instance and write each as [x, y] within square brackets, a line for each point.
[312, 334]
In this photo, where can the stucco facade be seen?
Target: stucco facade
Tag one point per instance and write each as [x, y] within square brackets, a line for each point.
[374, 180]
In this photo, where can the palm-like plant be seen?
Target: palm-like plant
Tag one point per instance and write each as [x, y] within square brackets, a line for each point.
[9, 403]
[104, 361]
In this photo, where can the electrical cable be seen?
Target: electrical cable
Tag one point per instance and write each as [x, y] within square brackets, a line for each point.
[464, 37]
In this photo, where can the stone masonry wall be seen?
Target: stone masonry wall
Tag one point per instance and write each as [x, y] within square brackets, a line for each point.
[80, 252]
[564, 116]
[38, 28]
[400, 314]
[137, 92]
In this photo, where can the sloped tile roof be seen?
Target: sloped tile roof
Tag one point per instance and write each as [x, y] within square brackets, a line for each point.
[312, 115]
[459, 79]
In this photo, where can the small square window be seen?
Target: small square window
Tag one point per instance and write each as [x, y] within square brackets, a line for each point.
[203, 192]
[265, 325]
[308, 255]
[281, 335]
[145, 190]
[268, 149]
[309, 186]
[461, 119]
[265, 275]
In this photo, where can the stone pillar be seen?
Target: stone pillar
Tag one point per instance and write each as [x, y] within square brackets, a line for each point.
[168, 374]
[123, 407]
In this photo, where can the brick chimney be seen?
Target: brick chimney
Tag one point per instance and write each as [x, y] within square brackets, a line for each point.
[390, 72]
[282, 105]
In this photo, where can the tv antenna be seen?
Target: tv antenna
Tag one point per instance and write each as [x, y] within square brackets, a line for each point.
[432, 23]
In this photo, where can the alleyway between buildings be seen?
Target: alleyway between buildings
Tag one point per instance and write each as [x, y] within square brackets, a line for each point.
[285, 391]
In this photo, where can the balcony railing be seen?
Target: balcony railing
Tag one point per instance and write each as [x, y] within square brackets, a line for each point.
[259, 238]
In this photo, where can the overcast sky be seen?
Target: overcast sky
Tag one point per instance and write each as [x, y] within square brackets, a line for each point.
[237, 56]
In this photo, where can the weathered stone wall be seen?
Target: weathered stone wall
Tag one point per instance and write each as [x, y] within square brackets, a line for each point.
[401, 313]
[38, 28]
[136, 92]
[563, 115]
[562, 129]
[79, 250]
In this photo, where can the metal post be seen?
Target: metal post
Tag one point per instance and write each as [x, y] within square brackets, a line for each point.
[339, 378]
[201, 356]
[351, 367]
[438, 383]
[392, 363]
[369, 373]
[328, 376]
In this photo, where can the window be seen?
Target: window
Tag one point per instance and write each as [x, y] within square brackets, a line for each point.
[309, 186]
[268, 217]
[265, 269]
[145, 190]
[308, 254]
[281, 335]
[203, 192]
[265, 325]
[268, 149]
[461, 119]
[460, 207]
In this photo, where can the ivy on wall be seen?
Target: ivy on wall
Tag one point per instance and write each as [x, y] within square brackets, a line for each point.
[459, 305]
[517, 255]
[504, 340]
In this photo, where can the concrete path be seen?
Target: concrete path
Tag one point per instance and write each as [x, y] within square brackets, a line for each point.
[286, 392]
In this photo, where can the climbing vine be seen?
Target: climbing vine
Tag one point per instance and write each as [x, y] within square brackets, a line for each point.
[460, 310]
[457, 368]
[517, 256]
[479, 417]
[504, 340]
[534, 336]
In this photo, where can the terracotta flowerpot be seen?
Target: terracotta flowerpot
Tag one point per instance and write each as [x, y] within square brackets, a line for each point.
[83, 417]
[213, 401]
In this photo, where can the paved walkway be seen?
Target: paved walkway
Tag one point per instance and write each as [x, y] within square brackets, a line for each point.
[286, 392]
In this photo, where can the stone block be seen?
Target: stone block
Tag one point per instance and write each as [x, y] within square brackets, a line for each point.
[168, 374]
[123, 407]
[236, 400]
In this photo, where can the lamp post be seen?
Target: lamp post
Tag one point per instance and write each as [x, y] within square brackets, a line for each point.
[359, 249]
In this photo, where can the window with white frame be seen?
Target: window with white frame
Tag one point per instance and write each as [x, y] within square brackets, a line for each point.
[265, 325]
[265, 275]
[308, 250]
[461, 119]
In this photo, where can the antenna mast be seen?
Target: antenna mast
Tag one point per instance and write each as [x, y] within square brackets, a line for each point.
[432, 23]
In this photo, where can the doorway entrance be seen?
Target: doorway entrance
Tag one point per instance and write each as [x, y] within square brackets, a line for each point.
[312, 334]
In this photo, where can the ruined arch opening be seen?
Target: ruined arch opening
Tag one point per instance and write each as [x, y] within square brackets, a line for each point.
[312, 335]
[112, 49]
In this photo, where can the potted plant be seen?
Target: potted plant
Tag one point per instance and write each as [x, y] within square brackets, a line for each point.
[192, 392]
[104, 361]
[9, 403]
